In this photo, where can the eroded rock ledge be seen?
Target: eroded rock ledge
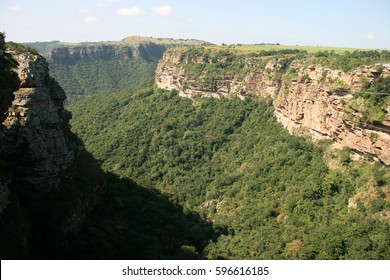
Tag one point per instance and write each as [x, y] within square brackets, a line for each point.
[36, 123]
[42, 163]
[309, 99]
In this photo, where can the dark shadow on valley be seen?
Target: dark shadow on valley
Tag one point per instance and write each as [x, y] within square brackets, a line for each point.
[133, 222]
[96, 215]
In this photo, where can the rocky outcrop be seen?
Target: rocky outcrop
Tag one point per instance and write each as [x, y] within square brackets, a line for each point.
[44, 193]
[320, 109]
[171, 75]
[35, 127]
[309, 99]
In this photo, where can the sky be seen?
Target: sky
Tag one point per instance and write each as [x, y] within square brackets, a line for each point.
[337, 23]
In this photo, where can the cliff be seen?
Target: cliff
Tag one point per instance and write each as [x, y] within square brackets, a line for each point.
[46, 48]
[38, 120]
[43, 195]
[87, 68]
[309, 97]
[71, 55]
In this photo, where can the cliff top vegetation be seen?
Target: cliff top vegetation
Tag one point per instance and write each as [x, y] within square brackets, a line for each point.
[244, 48]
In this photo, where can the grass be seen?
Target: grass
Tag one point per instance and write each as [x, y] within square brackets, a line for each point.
[309, 49]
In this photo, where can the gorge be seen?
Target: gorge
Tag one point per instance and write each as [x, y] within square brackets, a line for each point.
[132, 170]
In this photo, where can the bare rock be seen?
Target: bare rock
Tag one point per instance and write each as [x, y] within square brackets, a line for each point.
[32, 71]
[36, 124]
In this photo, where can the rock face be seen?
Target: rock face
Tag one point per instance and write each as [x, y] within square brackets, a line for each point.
[309, 100]
[171, 75]
[70, 55]
[320, 110]
[35, 127]
[134, 47]
[48, 182]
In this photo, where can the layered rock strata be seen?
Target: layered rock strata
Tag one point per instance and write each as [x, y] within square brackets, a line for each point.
[309, 99]
[36, 125]
[48, 182]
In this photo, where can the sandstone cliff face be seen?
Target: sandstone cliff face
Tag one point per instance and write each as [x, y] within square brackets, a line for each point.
[309, 100]
[35, 125]
[171, 75]
[322, 109]
[71, 55]
[41, 162]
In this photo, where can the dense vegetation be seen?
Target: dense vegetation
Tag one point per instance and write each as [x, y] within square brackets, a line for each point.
[88, 77]
[243, 48]
[8, 78]
[45, 48]
[335, 58]
[268, 194]
[372, 101]
[348, 61]
[128, 222]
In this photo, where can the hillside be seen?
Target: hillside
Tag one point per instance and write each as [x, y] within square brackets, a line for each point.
[267, 194]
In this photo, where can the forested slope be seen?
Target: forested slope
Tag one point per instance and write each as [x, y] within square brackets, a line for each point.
[267, 194]
[85, 77]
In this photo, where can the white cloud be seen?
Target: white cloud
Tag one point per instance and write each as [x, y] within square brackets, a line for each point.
[135, 11]
[99, 4]
[370, 37]
[14, 8]
[163, 10]
[91, 20]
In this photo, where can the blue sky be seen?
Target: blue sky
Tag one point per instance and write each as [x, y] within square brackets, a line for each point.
[343, 23]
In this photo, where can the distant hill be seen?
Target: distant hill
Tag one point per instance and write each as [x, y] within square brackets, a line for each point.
[90, 67]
